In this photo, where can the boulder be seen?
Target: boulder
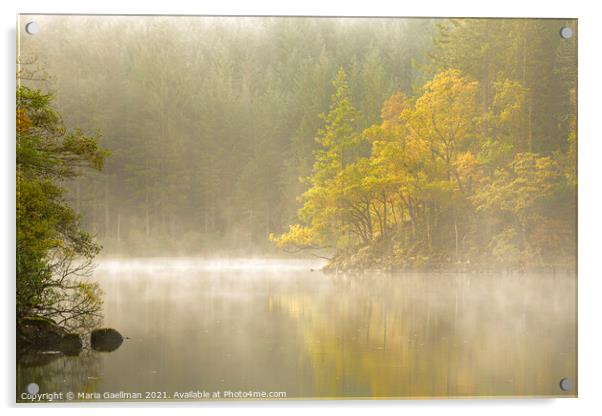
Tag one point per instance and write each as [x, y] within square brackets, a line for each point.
[71, 344]
[105, 339]
[38, 336]
[40, 333]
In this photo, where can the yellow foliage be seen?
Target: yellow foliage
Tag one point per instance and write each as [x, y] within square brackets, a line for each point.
[297, 237]
[444, 114]
[466, 164]
[391, 110]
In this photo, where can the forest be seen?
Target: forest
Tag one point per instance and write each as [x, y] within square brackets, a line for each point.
[377, 143]
[476, 169]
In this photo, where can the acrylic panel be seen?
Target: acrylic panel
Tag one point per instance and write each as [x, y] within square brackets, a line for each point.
[277, 208]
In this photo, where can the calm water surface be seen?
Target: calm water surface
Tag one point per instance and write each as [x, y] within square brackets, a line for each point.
[274, 325]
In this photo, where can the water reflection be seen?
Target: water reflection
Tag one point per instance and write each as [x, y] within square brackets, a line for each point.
[438, 335]
[61, 373]
[287, 329]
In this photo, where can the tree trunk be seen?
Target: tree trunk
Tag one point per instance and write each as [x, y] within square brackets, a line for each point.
[267, 220]
[530, 124]
[428, 227]
[78, 193]
[146, 213]
[384, 230]
[119, 228]
[107, 217]
[529, 95]
[94, 208]
[456, 235]
[369, 221]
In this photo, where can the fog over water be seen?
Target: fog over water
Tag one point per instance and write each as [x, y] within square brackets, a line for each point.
[191, 264]
[274, 325]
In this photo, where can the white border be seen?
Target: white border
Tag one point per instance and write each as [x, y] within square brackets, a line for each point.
[590, 181]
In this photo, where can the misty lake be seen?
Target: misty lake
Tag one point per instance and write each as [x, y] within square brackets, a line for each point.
[280, 326]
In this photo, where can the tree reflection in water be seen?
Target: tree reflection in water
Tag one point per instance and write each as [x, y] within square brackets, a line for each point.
[437, 335]
[60, 373]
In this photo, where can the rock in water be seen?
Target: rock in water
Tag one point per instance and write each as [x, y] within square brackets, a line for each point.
[105, 339]
[71, 344]
[40, 333]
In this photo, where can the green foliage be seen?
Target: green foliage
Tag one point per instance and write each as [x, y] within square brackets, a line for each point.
[338, 138]
[523, 193]
[53, 253]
